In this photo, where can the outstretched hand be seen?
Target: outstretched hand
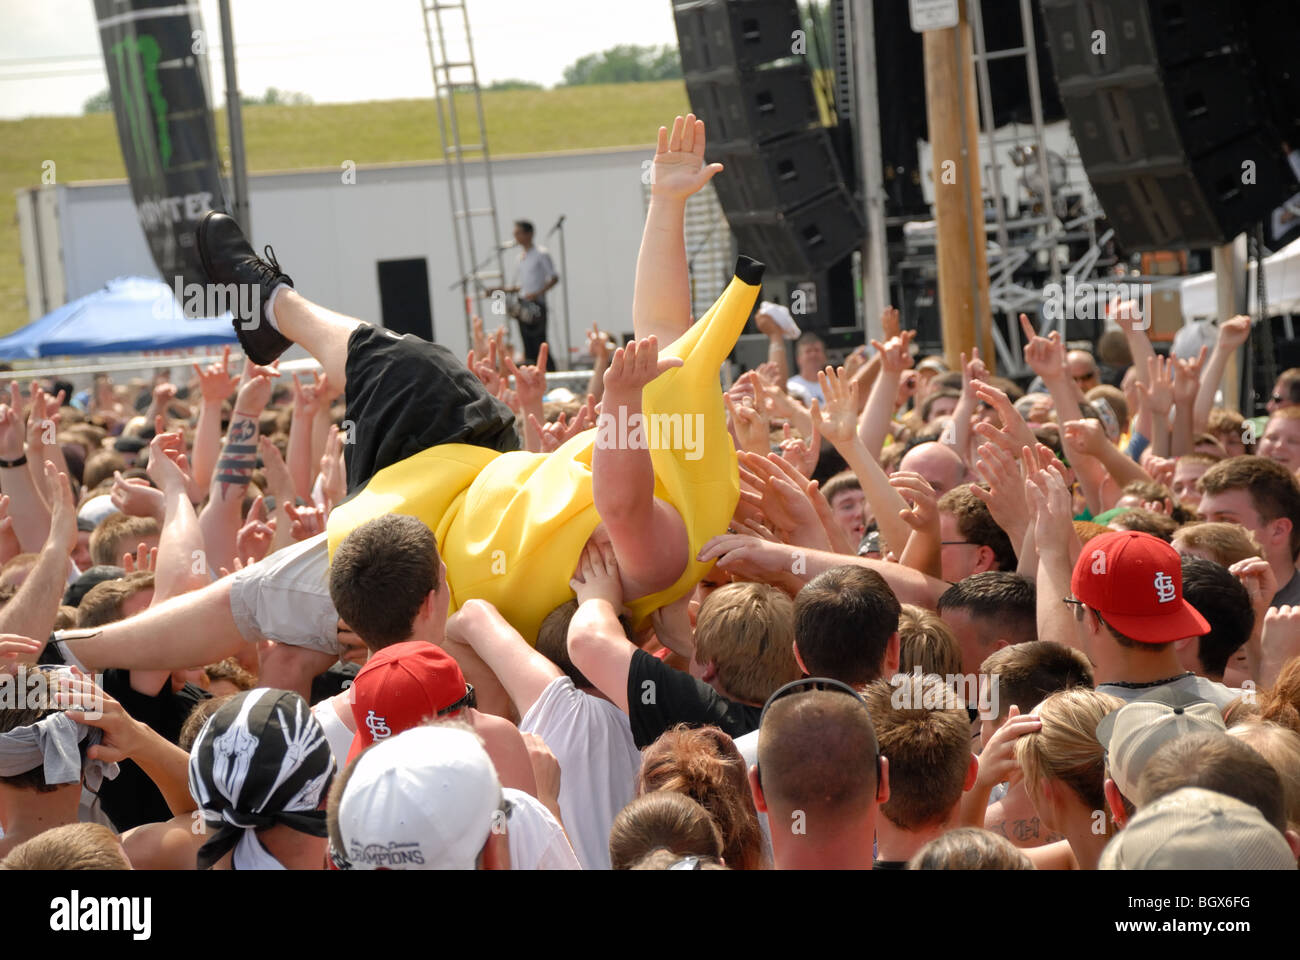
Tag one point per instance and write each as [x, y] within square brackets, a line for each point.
[635, 365]
[678, 168]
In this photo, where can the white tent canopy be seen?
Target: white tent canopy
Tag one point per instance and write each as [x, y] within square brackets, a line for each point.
[1281, 282]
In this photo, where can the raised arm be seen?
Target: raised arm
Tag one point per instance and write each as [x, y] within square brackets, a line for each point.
[523, 671]
[661, 299]
[179, 567]
[837, 426]
[31, 612]
[215, 385]
[27, 507]
[220, 519]
[596, 642]
[1232, 334]
[648, 536]
[895, 357]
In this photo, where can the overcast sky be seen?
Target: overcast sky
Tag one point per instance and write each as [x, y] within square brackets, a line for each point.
[333, 50]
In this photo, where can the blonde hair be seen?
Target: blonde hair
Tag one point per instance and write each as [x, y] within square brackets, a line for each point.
[1226, 543]
[747, 629]
[924, 640]
[73, 846]
[1281, 748]
[1065, 748]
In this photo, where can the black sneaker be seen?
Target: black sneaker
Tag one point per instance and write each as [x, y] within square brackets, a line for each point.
[227, 257]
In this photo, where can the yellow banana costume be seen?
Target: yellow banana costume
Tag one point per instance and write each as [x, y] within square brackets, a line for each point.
[511, 526]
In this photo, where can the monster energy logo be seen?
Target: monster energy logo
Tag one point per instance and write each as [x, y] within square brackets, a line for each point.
[137, 69]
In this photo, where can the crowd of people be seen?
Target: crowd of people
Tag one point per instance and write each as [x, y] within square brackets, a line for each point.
[418, 611]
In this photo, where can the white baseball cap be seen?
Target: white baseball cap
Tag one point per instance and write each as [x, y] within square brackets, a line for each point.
[425, 799]
[1197, 829]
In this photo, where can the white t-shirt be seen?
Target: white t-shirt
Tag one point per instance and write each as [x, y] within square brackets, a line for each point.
[805, 390]
[592, 740]
[337, 734]
[534, 271]
[748, 747]
[537, 841]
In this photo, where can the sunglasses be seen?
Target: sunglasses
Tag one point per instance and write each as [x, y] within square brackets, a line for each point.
[469, 700]
[1079, 606]
[807, 685]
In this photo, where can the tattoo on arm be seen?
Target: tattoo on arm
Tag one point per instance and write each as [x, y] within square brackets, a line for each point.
[238, 457]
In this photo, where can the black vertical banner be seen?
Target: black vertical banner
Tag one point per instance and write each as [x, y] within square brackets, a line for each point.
[155, 53]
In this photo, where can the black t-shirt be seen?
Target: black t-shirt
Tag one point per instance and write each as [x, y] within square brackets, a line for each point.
[889, 865]
[659, 697]
[132, 798]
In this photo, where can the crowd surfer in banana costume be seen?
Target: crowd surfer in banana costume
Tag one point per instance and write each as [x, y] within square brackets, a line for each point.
[655, 479]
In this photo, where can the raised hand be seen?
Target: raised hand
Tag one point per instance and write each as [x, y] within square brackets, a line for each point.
[1160, 392]
[924, 513]
[635, 365]
[530, 380]
[1045, 355]
[216, 382]
[678, 168]
[333, 469]
[254, 396]
[15, 650]
[596, 577]
[1084, 437]
[597, 344]
[145, 559]
[63, 509]
[838, 423]
[167, 465]
[305, 521]
[895, 353]
[998, 758]
[256, 534]
[1013, 424]
[1187, 379]
[750, 424]
[799, 454]
[12, 432]
[889, 323]
[1235, 332]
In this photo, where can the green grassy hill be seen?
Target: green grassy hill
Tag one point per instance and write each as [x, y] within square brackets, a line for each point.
[290, 138]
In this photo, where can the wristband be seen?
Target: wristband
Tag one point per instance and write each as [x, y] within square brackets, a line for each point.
[14, 464]
[251, 416]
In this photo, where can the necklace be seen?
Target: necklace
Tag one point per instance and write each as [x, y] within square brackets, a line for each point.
[1150, 683]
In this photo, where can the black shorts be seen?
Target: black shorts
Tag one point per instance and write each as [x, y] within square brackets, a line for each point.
[405, 395]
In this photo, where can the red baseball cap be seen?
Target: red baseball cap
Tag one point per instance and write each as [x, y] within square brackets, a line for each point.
[400, 687]
[1135, 581]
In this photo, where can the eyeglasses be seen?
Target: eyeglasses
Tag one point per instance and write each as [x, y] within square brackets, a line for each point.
[953, 543]
[1078, 605]
[1277, 398]
[469, 700]
[686, 863]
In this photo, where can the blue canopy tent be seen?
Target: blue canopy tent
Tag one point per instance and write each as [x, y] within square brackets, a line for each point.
[128, 315]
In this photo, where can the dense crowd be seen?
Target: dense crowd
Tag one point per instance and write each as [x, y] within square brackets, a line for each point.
[417, 611]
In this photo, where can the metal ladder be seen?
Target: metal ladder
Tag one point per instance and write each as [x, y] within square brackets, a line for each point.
[473, 198]
[1052, 234]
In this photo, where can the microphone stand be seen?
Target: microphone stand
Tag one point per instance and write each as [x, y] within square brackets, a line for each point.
[564, 360]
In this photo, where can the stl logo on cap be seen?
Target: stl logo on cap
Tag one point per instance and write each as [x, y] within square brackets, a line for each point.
[378, 727]
[1166, 590]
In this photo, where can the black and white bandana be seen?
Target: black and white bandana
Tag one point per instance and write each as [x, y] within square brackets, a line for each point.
[260, 760]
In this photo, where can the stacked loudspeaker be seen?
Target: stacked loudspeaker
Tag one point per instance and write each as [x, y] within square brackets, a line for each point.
[1176, 122]
[783, 192]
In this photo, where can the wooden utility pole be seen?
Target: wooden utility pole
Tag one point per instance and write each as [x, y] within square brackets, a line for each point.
[1232, 297]
[960, 239]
